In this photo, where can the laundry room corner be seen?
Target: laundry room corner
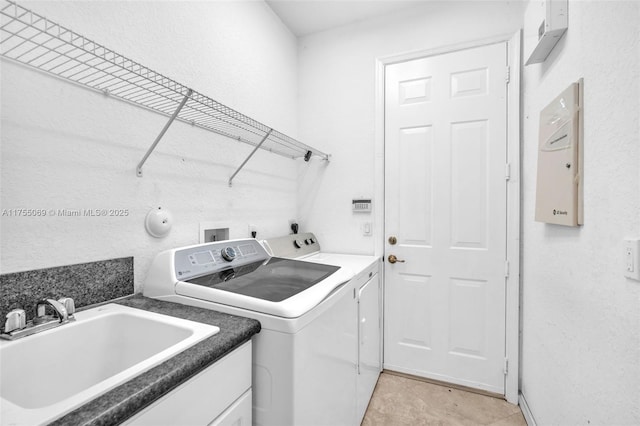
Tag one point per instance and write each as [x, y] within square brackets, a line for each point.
[320, 212]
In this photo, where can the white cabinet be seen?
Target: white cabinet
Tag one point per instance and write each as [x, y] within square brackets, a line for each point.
[369, 337]
[239, 414]
[220, 395]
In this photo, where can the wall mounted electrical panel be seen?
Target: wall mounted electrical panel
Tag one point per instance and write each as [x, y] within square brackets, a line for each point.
[560, 175]
[545, 23]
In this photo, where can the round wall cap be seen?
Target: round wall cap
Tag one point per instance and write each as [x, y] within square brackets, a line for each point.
[158, 222]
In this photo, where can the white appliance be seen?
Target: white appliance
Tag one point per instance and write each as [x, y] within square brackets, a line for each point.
[304, 357]
[367, 290]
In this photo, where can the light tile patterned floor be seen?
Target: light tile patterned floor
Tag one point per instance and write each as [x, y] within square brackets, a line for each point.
[400, 401]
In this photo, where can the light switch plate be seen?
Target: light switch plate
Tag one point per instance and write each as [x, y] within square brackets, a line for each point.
[632, 259]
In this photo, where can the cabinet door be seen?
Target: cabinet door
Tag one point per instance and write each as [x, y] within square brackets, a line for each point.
[369, 362]
[239, 414]
[203, 398]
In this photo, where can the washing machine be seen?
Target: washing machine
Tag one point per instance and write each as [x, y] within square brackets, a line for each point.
[305, 357]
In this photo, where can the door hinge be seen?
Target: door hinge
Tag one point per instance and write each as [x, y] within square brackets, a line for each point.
[506, 269]
[506, 366]
[508, 76]
[507, 171]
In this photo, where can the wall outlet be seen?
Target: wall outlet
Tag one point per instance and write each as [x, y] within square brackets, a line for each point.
[632, 259]
[293, 226]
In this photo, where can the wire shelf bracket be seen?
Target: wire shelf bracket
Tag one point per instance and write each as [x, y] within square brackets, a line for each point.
[34, 41]
[162, 132]
[249, 157]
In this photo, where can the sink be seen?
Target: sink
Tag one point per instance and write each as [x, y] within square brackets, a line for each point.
[46, 375]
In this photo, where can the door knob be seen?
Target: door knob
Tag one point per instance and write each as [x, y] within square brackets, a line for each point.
[393, 259]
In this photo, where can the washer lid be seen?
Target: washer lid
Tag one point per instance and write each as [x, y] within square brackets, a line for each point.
[275, 279]
[322, 293]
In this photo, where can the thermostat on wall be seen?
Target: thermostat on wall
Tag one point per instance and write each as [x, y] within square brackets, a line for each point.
[361, 205]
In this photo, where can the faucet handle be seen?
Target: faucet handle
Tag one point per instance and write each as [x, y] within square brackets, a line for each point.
[16, 320]
[69, 305]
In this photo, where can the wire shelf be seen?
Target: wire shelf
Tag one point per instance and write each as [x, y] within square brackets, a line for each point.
[35, 41]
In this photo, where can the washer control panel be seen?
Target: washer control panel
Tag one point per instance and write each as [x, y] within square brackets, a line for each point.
[207, 258]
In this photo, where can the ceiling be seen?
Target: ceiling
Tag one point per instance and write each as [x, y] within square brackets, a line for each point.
[304, 17]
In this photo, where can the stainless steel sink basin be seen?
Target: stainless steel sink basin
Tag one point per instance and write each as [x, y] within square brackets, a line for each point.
[44, 376]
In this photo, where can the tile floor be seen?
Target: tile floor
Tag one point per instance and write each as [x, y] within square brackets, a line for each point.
[399, 400]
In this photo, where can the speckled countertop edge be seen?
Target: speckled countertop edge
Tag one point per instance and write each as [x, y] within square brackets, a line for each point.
[124, 401]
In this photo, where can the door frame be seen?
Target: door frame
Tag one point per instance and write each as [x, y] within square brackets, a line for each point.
[512, 269]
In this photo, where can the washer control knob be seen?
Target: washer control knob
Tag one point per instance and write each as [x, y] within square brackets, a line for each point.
[228, 253]
[313, 240]
[298, 243]
[307, 241]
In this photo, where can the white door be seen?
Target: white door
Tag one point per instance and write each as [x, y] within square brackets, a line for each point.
[445, 203]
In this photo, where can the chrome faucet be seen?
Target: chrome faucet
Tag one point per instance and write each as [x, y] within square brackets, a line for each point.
[58, 308]
[16, 326]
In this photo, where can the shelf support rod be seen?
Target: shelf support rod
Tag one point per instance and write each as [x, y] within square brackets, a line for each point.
[249, 157]
[162, 132]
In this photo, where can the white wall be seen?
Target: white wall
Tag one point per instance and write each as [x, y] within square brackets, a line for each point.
[337, 103]
[581, 316]
[65, 147]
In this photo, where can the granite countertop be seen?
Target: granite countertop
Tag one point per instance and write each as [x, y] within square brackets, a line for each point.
[120, 403]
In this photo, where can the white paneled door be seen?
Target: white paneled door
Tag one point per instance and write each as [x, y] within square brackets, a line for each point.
[445, 205]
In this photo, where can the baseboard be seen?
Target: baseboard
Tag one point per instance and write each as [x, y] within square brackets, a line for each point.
[526, 411]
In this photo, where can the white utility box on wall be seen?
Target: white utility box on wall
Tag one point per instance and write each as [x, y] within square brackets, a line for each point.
[559, 181]
[545, 23]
